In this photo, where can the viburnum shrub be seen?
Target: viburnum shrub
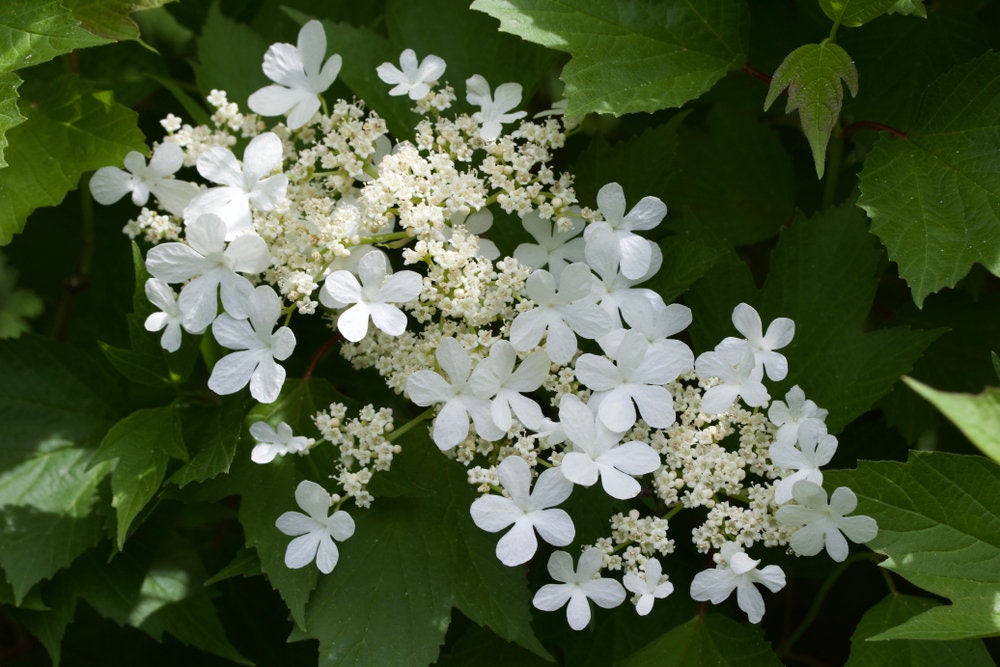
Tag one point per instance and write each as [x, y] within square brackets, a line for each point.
[405, 341]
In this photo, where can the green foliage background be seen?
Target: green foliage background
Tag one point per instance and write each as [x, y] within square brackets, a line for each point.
[135, 530]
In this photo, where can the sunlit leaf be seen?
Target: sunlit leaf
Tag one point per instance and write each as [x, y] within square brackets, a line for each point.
[641, 55]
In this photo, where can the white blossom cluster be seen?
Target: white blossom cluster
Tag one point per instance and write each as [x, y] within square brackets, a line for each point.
[544, 369]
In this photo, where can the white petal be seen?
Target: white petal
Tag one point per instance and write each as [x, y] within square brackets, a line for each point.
[302, 550]
[494, 513]
[232, 372]
[388, 318]
[266, 381]
[262, 432]
[518, 545]
[750, 600]
[219, 165]
[327, 555]
[551, 597]
[451, 426]
[555, 526]
[580, 469]
[353, 322]
[109, 184]
[296, 523]
[340, 525]
[578, 610]
[262, 155]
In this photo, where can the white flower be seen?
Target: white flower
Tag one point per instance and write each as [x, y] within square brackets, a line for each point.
[316, 530]
[789, 417]
[257, 349]
[300, 76]
[823, 524]
[738, 572]
[816, 448]
[161, 296]
[733, 363]
[649, 587]
[653, 319]
[371, 297]
[779, 334]
[240, 186]
[493, 109]
[527, 511]
[635, 253]
[459, 397]
[614, 288]
[578, 587]
[555, 249]
[638, 374]
[495, 376]
[211, 267]
[560, 315]
[596, 452]
[271, 443]
[413, 79]
[109, 184]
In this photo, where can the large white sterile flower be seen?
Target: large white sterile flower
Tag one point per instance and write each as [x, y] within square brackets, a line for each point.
[577, 587]
[614, 287]
[635, 253]
[494, 110]
[272, 443]
[738, 572]
[109, 184]
[371, 297]
[316, 530]
[555, 249]
[649, 587]
[495, 377]
[824, 524]
[638, 374]
[789, 415]
[299, 76]
[411, 78]
[816, 449]
[458, 397]
[655, 320]
[211, 265]
[240, 186]
[779, 334]
[257, 345]
[596, 452]
[527, 512]
[559, 315]
[169, 318]
[732, 361]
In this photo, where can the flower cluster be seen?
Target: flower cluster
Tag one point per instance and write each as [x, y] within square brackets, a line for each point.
[543, 367]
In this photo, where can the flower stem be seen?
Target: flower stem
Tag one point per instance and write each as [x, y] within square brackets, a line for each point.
[788, 642]
[319, 355]
[408, 426]
[383, 238]
[872, 125]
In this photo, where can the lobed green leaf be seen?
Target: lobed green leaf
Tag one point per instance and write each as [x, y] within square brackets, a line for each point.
[894, 610]
[812, 76]
[640, 55]
[978, 417]
[711, 640]
[939, 525]
[934, 198]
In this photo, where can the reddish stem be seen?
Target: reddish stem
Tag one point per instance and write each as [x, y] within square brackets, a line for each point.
[319, 355]
[872, 125]
[757, 74]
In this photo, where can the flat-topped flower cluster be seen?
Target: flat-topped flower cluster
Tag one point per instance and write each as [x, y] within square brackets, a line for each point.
[543, 367]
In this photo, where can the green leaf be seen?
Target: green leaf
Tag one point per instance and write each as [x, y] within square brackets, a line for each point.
[35, 31]
[52, 397]
[245, 564]
[909, 7]
[16, 305]
[641, 55]
[71, 129]
[143, 443]
[939, 524]
[409, 562]
[211, 433]
[853, 13]
[892, 611]
[842, 368]
[229, 58]
[996, 363]
[110, 18]
[978, 417]
[934, 198]
[47, 507]
[712, 640]
[156, 586]
[49, 625]
[812, 75]
[10, 116]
